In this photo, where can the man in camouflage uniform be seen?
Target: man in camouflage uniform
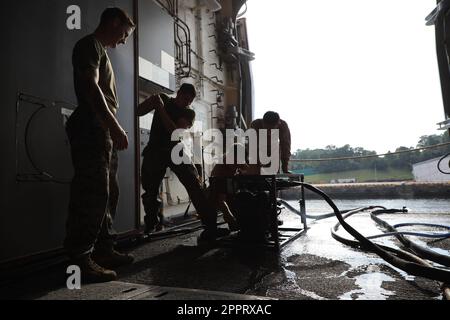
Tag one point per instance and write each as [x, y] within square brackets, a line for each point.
[95, 137]
[157, 158]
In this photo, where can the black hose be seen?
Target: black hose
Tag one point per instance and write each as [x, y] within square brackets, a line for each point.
[419, 250]
[356, 244]
[401, 253]
[413, 268]
[408, 233]
[314, 217]
[439, 164]
[179, 229]
[168, 233]
[27, 147]
[422, 224]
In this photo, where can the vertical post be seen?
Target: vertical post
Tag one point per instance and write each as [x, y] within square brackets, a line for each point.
[16, 134]
[274, 219]
[376, 175]
[137, 144]
[303, 202]
[203, 168]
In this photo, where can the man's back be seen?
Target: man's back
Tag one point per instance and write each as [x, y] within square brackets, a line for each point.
[284, 136]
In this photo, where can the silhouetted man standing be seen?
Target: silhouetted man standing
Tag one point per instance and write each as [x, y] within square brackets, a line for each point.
[95, 137]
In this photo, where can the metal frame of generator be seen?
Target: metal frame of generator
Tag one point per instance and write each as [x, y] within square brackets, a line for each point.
[272, 184]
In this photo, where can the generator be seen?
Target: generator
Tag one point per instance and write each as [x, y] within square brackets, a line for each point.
[254, 203]
[252, 213]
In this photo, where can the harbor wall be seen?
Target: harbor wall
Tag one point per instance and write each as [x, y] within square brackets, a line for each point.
[393, 190]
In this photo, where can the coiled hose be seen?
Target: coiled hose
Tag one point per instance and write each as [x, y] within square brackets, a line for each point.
[398, 258]
[417, 249]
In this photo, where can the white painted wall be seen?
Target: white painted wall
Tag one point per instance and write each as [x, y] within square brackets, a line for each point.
[427, 171]
[200, 21]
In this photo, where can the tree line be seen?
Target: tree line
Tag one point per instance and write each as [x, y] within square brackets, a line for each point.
[397, 161]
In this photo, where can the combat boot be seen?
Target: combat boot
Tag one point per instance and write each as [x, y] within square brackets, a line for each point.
[151, 224]
[210, 236]
[92, 272]
[112, 258]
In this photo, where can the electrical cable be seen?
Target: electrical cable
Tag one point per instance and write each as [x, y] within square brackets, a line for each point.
[372, 155]
[439, 164]
[421, 224]
[314, 217]
[408, 233]
[41, 173]
[417, 234]
[27, 147]
[179, 229]
[173, 231]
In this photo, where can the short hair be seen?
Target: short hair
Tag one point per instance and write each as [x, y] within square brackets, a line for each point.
[112, 13]
[187, 88]
[271, 118]
[189, 115]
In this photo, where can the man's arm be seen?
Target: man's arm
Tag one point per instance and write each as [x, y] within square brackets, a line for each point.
[148, 105]
[155, 103]
[98, 102]
[165, 118]
[255, 125]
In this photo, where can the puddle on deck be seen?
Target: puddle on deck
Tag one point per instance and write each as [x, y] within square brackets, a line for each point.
[318, 267]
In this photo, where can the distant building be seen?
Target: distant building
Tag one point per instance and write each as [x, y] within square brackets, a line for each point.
[427, 171]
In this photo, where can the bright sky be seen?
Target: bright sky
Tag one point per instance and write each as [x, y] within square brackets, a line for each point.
[347, 71]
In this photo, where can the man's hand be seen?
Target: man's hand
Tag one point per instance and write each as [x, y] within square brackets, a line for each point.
[119, 137]
[157, 101]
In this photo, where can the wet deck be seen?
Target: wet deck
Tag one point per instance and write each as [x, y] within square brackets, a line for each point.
[315, 266]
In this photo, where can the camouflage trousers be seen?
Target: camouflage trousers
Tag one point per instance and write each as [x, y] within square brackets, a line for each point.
[94, 191]
[154, 166]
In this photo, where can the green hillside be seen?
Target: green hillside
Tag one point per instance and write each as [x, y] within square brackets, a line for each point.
[363, 175]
